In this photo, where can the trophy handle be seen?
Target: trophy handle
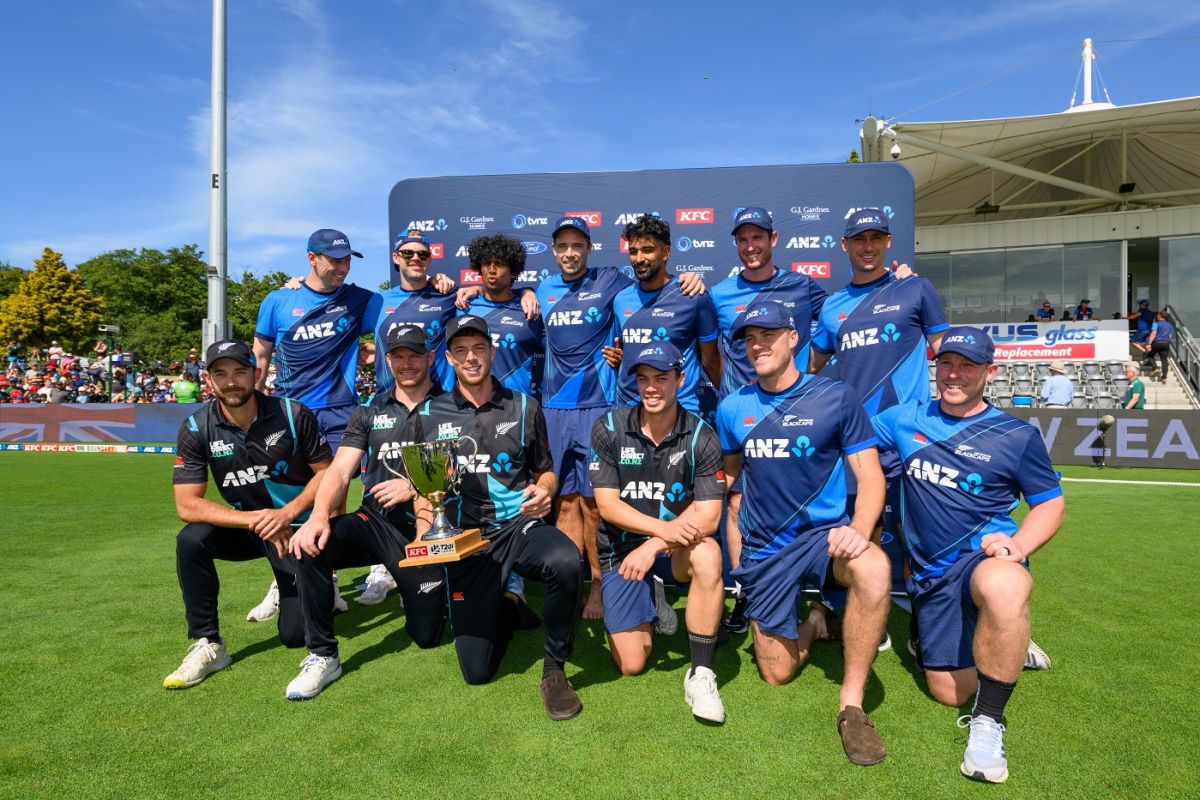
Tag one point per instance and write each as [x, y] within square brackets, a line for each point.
[455, 481]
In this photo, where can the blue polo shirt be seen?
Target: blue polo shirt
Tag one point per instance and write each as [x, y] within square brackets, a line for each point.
[520, 349]
[425, 307]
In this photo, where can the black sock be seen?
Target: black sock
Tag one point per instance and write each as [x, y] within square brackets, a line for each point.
[551, 665]
[701, 647]
[991, 698]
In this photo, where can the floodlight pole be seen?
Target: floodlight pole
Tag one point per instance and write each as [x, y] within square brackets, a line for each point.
[216, 325]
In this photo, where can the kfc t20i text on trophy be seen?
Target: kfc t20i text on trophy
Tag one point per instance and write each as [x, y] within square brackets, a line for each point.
[433, 471]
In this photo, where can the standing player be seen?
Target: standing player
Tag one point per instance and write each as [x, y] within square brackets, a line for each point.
[789, 437]
[656, 471]
[378, 531]
[966, 465]
[313, 332]
[755, 236]
[879, 325]
[655, 309]
[506, 489]
[266, 456]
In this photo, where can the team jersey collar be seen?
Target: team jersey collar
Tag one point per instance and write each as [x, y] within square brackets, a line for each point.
[886, 277]
[937, 409]
[801, 381]
[633, 424]
[496, 399]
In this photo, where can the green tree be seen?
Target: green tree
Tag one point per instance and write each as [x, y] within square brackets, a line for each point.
[853, 159]
[10, 279]
[51, 303]
[159, 299]
[244, 298]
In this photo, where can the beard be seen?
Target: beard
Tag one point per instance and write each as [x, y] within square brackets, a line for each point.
[234, 397]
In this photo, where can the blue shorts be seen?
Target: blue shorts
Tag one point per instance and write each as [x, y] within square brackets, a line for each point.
[627, 604]
[570, 434]
[331, 422]
[945, 615]
[772, 585]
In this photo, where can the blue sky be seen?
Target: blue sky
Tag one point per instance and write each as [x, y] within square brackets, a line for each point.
[330, 103]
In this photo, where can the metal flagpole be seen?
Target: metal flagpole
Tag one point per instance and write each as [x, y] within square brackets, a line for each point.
[216, 326]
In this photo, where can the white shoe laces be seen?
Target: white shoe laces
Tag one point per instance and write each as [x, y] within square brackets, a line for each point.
[201, 653]
[985, 734]
[312, 663]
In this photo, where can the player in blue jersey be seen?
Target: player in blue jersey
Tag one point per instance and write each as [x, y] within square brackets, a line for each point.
[578, 385]
[655, 309]
[878, 326]
[755, 236]
[789, 437]
[314, 333]
[966, 465]
[520, 342]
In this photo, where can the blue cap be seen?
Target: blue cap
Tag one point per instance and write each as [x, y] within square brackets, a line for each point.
[571, 222]
[973, 343]
[328, 242]
[767, 314]
[758, 217]
[866, 219]
[405, 238]
[662, 356]
[1143, 302]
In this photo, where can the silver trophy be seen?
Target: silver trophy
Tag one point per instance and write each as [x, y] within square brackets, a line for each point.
[433, 472]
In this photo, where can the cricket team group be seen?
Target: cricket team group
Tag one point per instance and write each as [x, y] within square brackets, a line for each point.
[624, 428]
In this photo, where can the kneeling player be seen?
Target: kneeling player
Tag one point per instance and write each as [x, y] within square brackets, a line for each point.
[506, 488]
[656, 473]
[267, 457]
[788, 437]
[966, 465]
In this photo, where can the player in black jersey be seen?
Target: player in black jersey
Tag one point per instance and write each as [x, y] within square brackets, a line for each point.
[506, 489]
[656, 471]
[265, 455]
[378, 531]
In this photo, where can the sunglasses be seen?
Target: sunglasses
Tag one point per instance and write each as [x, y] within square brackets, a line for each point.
[411, 254]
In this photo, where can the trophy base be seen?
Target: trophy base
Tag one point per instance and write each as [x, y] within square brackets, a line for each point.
[440, 551]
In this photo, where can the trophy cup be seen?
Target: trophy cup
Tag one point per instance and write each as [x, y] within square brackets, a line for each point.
[433, 471]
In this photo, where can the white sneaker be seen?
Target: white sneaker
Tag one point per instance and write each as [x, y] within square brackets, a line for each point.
[316, 672]
[1036, 657]
[668, 621]
[268, 608]
[885, 643]
[700, 692]
[339, 602]
[202, 659]
[984, 758]
[379, 583]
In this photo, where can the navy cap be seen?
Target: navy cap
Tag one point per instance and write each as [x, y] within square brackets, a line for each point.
[572, 222]
[662, 356]
[467, 323]
[973, 343]
[408, 336]
[1143, 302]
[767, 314]
[406, 238]
[230, 348]
[866, 219]
[328, 242]
[758, 217]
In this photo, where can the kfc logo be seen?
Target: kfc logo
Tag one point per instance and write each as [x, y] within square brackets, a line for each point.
[592, 218]
[469, 277]
[624, 246]
[693, 216]
[813, 269]
[437, 250]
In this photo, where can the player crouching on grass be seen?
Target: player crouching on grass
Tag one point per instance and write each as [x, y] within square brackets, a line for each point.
[656, 472]
[965, 466]
[266, 456]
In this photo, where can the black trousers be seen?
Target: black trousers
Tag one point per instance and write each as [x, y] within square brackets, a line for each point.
[197, 548]
[1162, 350]
[483, 621]
[361, 539]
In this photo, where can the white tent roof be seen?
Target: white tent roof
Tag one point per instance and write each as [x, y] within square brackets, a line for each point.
[1069, 163]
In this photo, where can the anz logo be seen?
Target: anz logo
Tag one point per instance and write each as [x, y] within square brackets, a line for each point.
[653, 490]
[245, 477]
[645, 335]
[428, 225]
[573, 317]
[503, 463]
[868, 336]
[390, 451]
[320, 330]
[766, 448]
[941, 475]
[478, 463]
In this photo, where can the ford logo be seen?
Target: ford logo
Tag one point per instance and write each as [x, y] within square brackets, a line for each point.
[533, 248]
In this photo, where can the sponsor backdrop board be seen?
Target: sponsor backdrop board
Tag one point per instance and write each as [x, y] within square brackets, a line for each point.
[1138, 439]
[809, 204]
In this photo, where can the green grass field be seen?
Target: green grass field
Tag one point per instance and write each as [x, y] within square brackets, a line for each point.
[93, 621]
